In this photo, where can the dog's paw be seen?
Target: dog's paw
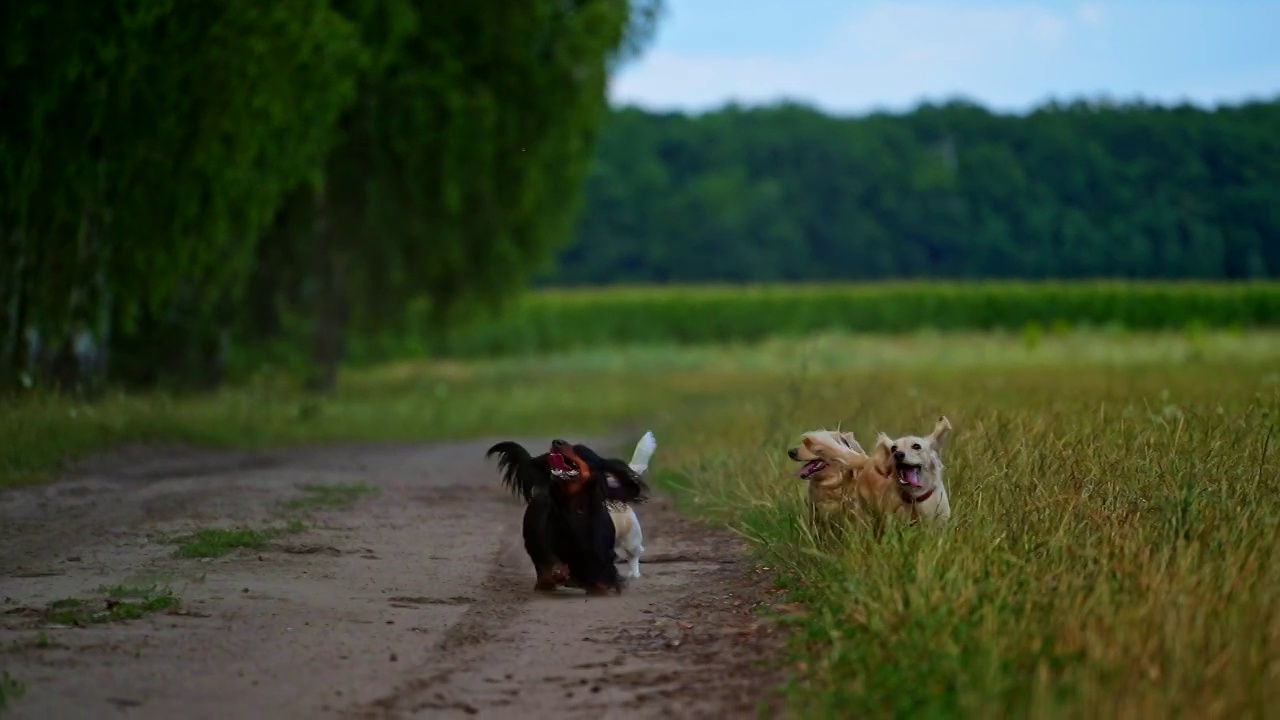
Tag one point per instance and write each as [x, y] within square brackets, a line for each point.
[560, 574]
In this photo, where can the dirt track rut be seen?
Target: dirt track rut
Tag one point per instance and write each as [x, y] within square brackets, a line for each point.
[415, 601]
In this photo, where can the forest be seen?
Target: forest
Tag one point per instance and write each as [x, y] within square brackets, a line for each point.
[1086, 189]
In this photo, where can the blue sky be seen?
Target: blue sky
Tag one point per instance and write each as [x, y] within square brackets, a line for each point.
[854, 56]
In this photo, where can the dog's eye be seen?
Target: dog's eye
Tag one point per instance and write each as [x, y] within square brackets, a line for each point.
[915, 446]
[893, 448]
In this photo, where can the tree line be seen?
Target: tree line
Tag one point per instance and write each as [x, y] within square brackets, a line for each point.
[1071, 190]
[176, 174]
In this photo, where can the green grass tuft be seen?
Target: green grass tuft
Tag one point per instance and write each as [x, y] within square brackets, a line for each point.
[328, 497]
[217, 542]
[10, 688]
[118, 603]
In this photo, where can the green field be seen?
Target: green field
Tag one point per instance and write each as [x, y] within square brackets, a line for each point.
[561, 320]
[1113, 544]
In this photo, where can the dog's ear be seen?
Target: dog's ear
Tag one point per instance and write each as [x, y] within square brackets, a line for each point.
[835, 453]
[940, 432]
[882, 454]
[622, 484]
[818, 449]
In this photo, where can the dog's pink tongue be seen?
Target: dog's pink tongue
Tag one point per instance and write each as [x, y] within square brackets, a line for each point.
[556, 460]
[912, 476]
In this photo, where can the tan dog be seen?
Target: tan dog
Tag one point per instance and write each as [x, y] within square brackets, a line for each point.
[831, 482]
[902, 476]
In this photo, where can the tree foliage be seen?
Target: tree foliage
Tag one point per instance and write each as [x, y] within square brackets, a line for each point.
[1080, 190]
[459, 172]
[146, 146]
[173, 172]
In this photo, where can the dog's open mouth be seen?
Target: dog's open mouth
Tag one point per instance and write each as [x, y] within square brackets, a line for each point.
[560, 467]
[811, 467]
[909, 475]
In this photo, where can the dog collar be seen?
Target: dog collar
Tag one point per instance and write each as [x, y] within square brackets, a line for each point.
[910, 500]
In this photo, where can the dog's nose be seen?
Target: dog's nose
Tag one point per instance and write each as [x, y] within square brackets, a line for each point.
[899, 455]
[793, 453]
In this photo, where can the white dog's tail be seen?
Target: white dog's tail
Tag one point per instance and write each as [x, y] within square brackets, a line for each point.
[644, 452]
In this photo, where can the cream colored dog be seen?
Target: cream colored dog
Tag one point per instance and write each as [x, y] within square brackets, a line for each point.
[629, 543]
[917, 467]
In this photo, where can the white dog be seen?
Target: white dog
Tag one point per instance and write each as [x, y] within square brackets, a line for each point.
[625, 523]
[917, 466]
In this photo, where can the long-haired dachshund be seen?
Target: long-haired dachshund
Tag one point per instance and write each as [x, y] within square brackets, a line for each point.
[566, 517]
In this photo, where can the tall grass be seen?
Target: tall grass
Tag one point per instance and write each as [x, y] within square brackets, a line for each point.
[559, 320]
[1113, 549]
[405, 402]
[432, 400]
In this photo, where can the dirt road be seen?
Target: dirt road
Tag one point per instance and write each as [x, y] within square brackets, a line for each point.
[414, 600]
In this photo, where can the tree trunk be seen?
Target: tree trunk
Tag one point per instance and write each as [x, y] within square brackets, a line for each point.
[100, 318]
[9, 361]
[330, 302]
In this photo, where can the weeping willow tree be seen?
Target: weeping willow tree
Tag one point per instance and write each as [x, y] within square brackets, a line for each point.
[459, 171]
[144, 148]
[403, 154]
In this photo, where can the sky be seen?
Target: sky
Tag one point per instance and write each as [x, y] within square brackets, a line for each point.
[858, 56]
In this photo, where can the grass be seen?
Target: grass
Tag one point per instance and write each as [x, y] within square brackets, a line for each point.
[10, 689]
[1113, 545]
[40, 641]
[217, 542]
[416, 401]
[121, 602]
[328, 497]
[1113, 550]
[403, 402]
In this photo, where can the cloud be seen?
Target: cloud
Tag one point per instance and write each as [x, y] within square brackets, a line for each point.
[1091, 13]
[1007, 54]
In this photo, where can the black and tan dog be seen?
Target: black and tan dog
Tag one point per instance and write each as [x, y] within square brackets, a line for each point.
[568, 532]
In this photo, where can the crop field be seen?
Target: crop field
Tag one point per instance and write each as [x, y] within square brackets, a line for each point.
[560, 320]
[1113, 547]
